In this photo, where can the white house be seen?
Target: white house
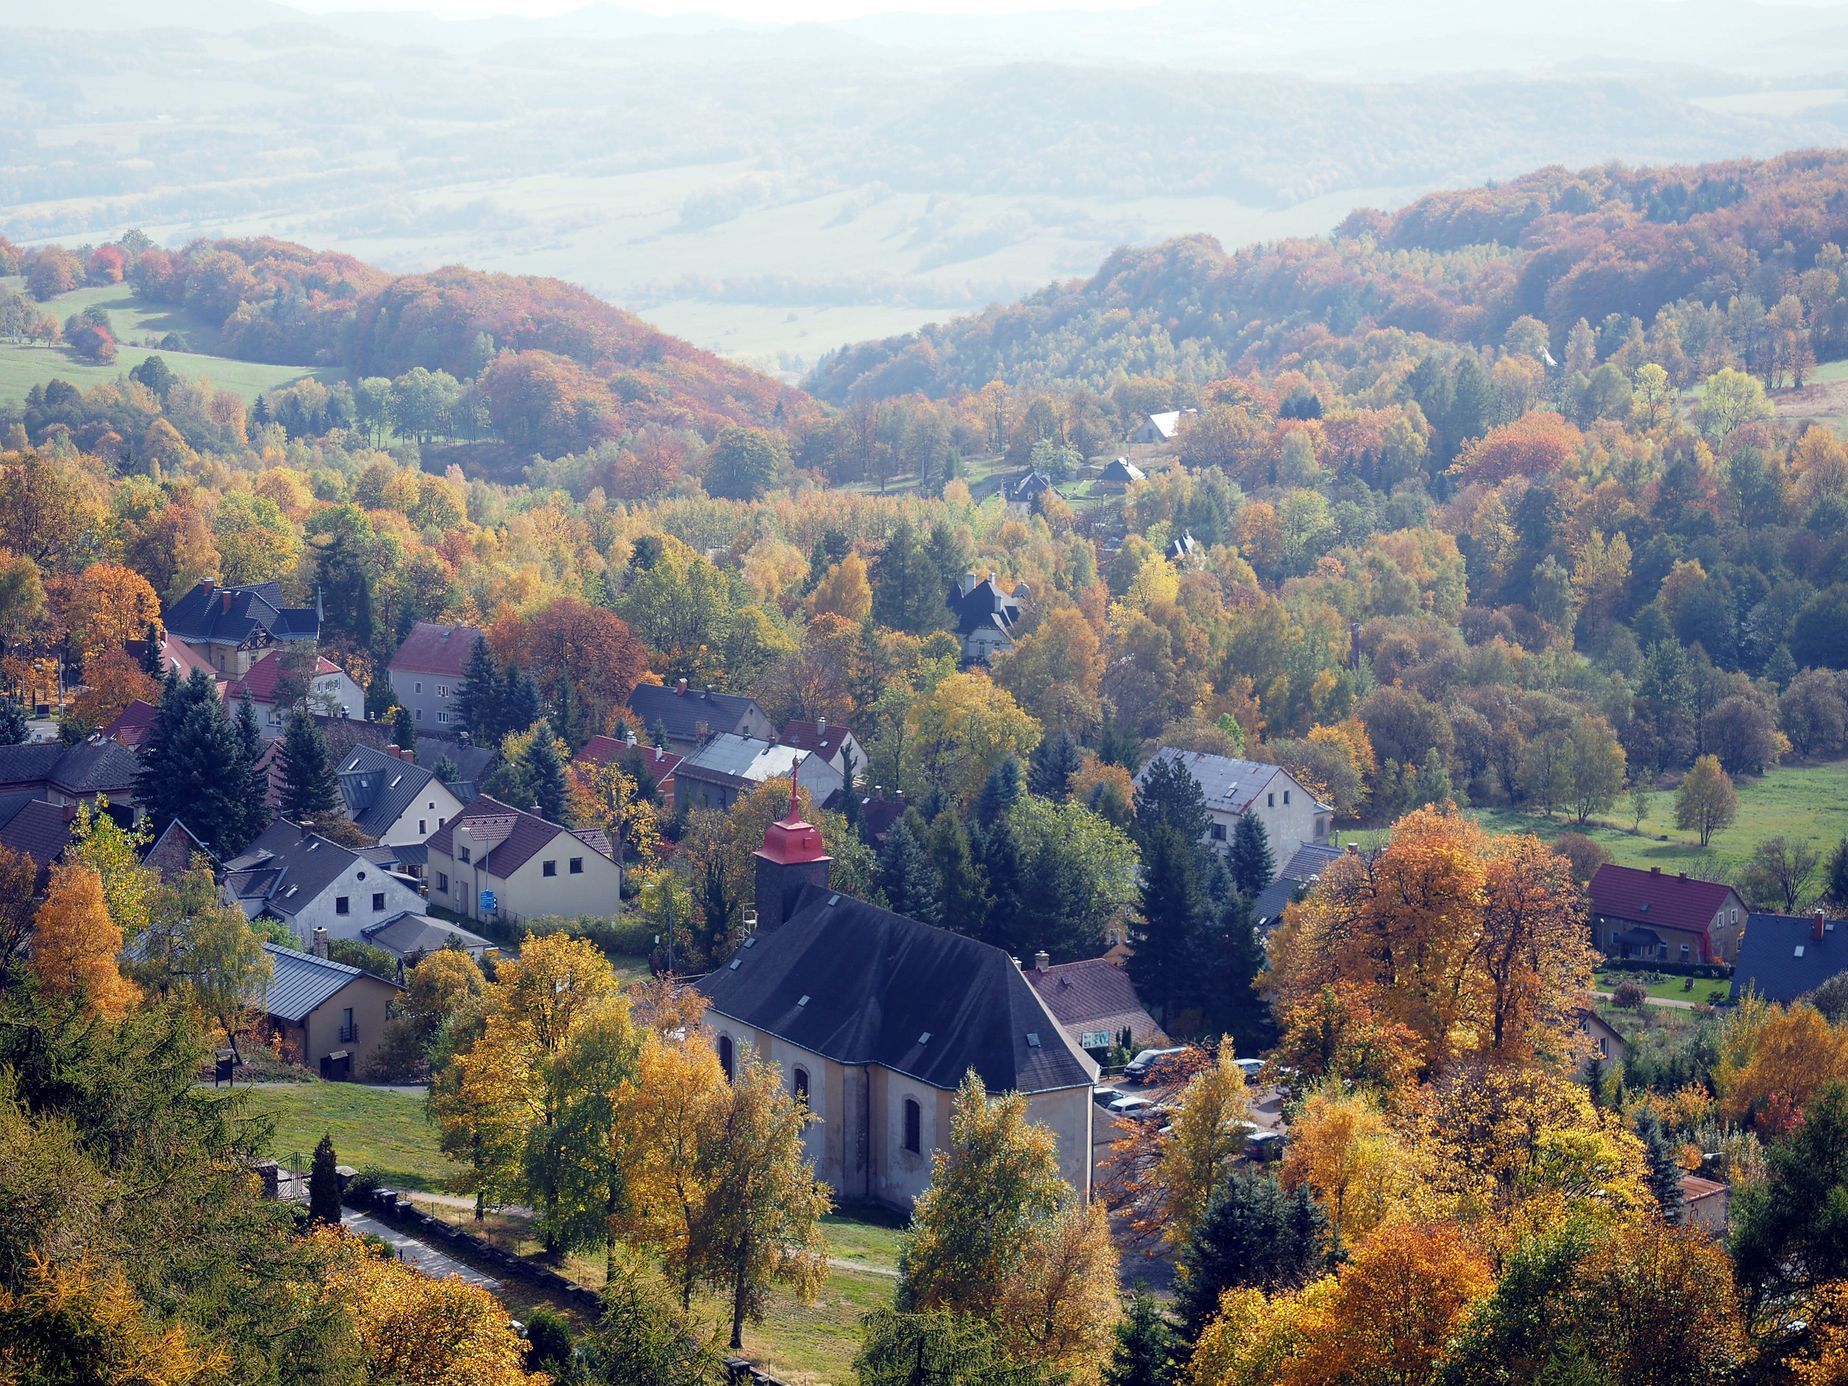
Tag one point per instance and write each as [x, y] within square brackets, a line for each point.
[309, 882]
[332, 693]
[1292, 816]
[492, 861]
[1160, 428]
[392, 799]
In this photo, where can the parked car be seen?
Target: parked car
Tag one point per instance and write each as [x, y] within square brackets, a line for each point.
[1135, 1108]
[1251, 1068]
[1265, 1146]
[1103, 1097]
[1139, 1067]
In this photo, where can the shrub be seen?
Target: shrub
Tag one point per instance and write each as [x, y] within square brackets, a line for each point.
[1630, 994]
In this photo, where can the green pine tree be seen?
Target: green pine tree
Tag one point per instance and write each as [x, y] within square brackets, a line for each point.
[1664, 1177]
[13, 728]
[962, 897]
[1170, 935]
[404, 729]
[1000, 791]
[519, 700]
[905, 870]
[184, 766]
[1169, 796]
[1051, 766]
[1250, 857]
[252, 780]
[324, 1185]
[1147, 1347]
[307, 770]
[151, 662]
[477, 703]
[545, 774]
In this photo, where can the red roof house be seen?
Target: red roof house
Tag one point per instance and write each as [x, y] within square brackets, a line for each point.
[133, 725]
[1094, 1002]
[434, 648]
[1660, 916]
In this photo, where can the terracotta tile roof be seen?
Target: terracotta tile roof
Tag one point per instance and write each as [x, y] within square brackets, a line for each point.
[434, 648]
[133, 725]
[1095, 994]
[1657, 897]
[815, 738]
[266, 673]
[604, 750]
[517, 836]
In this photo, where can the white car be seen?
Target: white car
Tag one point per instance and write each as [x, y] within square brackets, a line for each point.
[1103, 1097]
[1251, 1068]
[1135, 1108]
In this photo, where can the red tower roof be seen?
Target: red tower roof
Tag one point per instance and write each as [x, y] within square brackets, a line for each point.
[794, 839]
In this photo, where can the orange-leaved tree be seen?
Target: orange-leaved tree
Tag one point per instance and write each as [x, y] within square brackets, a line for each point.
[75, 943]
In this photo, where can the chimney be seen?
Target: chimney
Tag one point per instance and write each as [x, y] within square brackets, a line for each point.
[680, 689]
[628, 736]
[791, 858]
[1655, 871]
[224, 601]
[821, 727]
[1818, 924]
[1042, 960]
[319, 945]
[1683, 875]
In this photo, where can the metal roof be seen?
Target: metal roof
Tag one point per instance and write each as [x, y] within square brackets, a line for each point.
[301, 983]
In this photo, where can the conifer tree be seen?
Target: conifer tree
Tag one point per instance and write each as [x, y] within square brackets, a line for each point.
[545, 774]
[1169, 796]
[1175, 913]
[519, 700]
[1004, 872]
[1051, 766]
[13, 728]
[324, 1185]
[1664, 1176]
[151, 662]
[1254, 1235]
[1146, 1347]
[962, 897]
[999, 793]
[252, 780]
[477, 704]
[1250, 861]
[188, 768]
[905, 870]
[307, 770]
[404, 729]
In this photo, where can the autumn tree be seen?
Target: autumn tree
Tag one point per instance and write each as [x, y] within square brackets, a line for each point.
[1778, 874]
[1211, 1124]
[844, 592]
[962, 727]
[75, 943]
[197, 947]
[1343, 1150]
[1254, 1235]
[602, 794]
[112, 681]
[81, 1321]
[18, 886]
[642, 1337]
[1706, 800]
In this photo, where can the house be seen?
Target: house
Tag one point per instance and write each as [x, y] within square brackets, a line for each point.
[686, 718]
[309, 883]
[1023, 491]
[332, 693]
[984, 613]
[1704, 1204]
[874, 1019]
[1096, 1003]
[172, 853]
[176, 656]
[633, 755]
[1183, 548]
[1120, 475]
[133, 725]
[391, 798]
[495, 862]
[232, 627]
[61, 774]
[473, 763]
[1663, 917]
[836, 745]
[36, 828]
[1782, 956]
[1160, 428]
[1303, 869]
[728, 767]
[1607, 1041]
[1291, 815]
[878, 813]
[411, 937]
[429, 670]
[329, 1016]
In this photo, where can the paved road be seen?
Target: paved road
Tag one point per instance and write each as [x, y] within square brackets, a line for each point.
[1666, 1001]
[413, 1252]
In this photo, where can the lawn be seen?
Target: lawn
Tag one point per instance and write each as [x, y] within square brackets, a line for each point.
[1807, 802]
[374, 1130]
[1706, 990]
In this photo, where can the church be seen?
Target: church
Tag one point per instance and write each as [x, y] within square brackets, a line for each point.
[874, 1019]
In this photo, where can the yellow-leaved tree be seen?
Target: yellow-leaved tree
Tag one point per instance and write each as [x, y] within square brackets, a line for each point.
[75, 943]
[1345, 1151]
[79, 1321]
[1211, 1127]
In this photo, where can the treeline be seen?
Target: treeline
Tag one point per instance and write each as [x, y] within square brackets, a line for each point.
[1744, 238]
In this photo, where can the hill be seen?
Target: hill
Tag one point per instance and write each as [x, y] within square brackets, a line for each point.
[1462, 266]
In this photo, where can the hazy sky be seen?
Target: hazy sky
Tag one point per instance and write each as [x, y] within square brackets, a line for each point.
[786, 11]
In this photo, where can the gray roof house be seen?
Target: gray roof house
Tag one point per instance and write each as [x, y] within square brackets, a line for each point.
[1291, 815]
[328, 1015]
[391, 798]
[1783, 956]
[688, 717]
[62, 774]
[875, 1019]
[232, 626]
[411, 936]
[983, 612]
[309, 882]
[1301, 871]
[728, 767]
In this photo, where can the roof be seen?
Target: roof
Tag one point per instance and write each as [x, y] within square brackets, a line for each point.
[1166, 422]
[680, 712]
[1694, 1188]
[230, 615]
[739, 761]
[175, 654]
[433, 648]
[606, 750]
[1229, 784]
[984, 602]
[1780, 960]
[300, 983]
[512, 836]
[816, 738]
[285, 869]
[37, 828]
[173, 851]
[260, 682]
[1668, 901]
[1305, 864]
[861, 985]
[377, 787]
[1122, 469]
[1094, 994]
[134, 724]
[95, 766]
[471, 761]
[1028, 485]
[408, 933]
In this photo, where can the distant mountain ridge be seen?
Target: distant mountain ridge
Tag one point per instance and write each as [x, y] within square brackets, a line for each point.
[1555, 244]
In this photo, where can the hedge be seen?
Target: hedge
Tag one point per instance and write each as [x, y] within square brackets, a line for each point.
[1716, 971]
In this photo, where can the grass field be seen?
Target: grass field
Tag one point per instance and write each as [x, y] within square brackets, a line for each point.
[1808, 802]
[137, 327]
[374, 1131]
[1705, 991]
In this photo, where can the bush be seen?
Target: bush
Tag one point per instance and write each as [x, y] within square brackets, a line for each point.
[549, 1340]
[628, 937]
[1713, 971]
[1630, 994]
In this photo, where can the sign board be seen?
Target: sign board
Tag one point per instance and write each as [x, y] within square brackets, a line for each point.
[487, 901]
[1094, 1039]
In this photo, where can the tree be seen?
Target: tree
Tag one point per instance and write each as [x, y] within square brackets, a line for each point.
[936, 1346]
[906, 874]
[765, 1205]
[112, 681]
[1729, 399]
[1058, 1308]
[1211, 1123]
[1706, 800]
[18, 886]
[193, 767]
[1051, 766]
[844, 591]
[75, 943]
[961, 893]
[307, 767]
[1250, 857]
[404, 729]
[477, 702]
[1343, 1151]
[1790, 1230]
[1170, 935]
[197, 946]
[642, 1337]
[1640, 799]
[545, 774]
[324, 1185]
[745, 463]
[605, 795]
[1254, 1234]
[13, 722]
[1594, 765]
[81, 1321]
[1779, 875]
[1147, 1351]
[963, 726]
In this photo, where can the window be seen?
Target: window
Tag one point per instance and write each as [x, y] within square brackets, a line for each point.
[348, 1032]
[800, 1083]
[341, 905]
[464, 852]
[442, 881]
[378, 901]
[1685, 952]
[1286, 796]
[1270, 801]
[577, 866]
[421, 830]
[914, 1122]
[442, 716]
[442, 690]
[420, 685]
[420, 714]
[549, 869]
[1219, 832]
[725, 1055]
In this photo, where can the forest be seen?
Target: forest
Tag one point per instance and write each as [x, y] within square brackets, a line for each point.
[1495, 506]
